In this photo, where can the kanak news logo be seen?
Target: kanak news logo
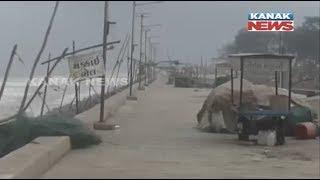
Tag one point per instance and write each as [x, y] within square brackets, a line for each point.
[270, 22]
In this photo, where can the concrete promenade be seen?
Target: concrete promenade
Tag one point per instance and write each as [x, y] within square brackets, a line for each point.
[157, 139]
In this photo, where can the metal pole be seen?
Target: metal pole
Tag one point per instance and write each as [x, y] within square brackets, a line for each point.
[104, 53]
[45, 88]
[232, 86]
[280, 52]
[215, 76]
[290, 84]
[132, 39]
[276, 81]
[241, 81]
[75, 84]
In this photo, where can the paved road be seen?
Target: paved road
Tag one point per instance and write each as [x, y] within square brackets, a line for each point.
[157, 139]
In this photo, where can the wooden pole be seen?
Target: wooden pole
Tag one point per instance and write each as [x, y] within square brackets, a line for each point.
[132, 46]
[64, 92]
[90, 98]
[75, 84]
[81, 50]
[140, 60]
[38, 58]
[104, 54]
[128, 66]
[121, 61]
[145, 58]
[13, 52]
[45, 89]
[122, 49]
[201, 69]
[42, 83]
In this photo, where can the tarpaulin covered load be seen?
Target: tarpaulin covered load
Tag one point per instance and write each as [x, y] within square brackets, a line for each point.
[217, 114]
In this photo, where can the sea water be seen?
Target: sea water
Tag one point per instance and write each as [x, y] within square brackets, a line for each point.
[15, 87]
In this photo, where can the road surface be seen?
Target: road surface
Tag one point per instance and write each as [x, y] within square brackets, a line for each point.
[157, 139]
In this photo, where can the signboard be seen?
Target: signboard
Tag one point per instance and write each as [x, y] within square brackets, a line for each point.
[86, 66]
[223, 66]
[265, 65]
[261, 65]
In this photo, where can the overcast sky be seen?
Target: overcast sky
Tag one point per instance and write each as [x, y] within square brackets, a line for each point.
[190, 29]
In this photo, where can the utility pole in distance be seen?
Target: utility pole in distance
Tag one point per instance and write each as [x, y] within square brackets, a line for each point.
[134, 4]
[140, 60]
[130, 97]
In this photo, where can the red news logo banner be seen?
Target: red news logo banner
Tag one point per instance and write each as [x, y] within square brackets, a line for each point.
[270, 22]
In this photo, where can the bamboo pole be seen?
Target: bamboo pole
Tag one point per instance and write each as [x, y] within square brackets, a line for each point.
[8, 70]
[47, 76]
[36, 92]
[117, 62]
[39, 94]
[80, 50]
[38, 58]
[64, 92]
[75, 84]
[45, 89]
[121, 61]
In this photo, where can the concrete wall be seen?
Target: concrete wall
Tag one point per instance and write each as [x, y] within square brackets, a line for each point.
[35, 158]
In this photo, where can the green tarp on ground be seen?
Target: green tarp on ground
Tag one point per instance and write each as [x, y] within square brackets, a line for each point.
[23, 130]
